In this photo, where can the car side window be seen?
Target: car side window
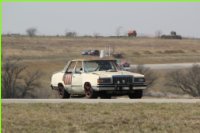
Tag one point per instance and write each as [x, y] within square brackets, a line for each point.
[71, 67]
[79, 67]
[90, 66]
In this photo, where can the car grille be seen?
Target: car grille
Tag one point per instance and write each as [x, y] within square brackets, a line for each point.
[122, 80]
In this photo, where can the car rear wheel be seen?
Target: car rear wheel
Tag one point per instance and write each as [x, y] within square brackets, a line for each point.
[137, 94]
[62, 92]
[89, 92]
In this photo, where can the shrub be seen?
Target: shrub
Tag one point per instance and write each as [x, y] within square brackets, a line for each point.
[188, 81]
[17, 82]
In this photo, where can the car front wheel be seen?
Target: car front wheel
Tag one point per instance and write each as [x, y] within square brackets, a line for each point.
[89, 92]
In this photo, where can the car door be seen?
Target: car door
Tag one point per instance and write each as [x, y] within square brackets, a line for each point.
[67, 78]
[77, 78]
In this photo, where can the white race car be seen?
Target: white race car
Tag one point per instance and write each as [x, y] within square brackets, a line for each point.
[97, 78]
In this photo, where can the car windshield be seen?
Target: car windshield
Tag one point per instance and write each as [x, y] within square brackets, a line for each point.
[100, 65]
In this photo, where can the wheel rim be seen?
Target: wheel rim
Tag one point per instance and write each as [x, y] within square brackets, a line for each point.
[88, 91]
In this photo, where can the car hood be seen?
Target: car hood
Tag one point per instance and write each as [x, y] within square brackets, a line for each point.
[110, 74]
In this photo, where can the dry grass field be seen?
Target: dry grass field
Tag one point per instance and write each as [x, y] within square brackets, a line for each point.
[136, 50]
[49, 54]
[112, 118]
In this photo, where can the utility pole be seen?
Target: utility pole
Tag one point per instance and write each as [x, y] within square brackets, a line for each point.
[109, 50]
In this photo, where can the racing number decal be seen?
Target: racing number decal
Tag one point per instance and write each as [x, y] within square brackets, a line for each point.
[67, 78]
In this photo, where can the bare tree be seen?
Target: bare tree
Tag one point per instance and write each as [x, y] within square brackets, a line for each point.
[96, 35]
[31, 32]
[70, 33]
[15, 83]
[150, 76]
[186, 80]
[11, 74]
[118, 31]
[30, 83]
[158, 33]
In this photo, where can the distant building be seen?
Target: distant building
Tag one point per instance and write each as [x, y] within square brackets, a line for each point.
[172, 35]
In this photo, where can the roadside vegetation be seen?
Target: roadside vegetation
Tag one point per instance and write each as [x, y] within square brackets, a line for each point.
[17, 82]
[186, 80]
[150, 76]
[98, 118]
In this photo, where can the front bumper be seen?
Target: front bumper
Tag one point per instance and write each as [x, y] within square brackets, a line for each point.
[119, 87]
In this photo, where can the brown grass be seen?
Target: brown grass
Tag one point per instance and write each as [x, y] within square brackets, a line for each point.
[98, 118]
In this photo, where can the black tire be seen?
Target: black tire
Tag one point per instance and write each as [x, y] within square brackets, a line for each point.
[89, 92]
[62, 92]
[137, 94]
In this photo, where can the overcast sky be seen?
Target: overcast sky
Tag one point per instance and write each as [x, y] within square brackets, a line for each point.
[102, 18]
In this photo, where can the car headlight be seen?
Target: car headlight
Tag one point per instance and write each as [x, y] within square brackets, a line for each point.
[104, 81]
[139, 79]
